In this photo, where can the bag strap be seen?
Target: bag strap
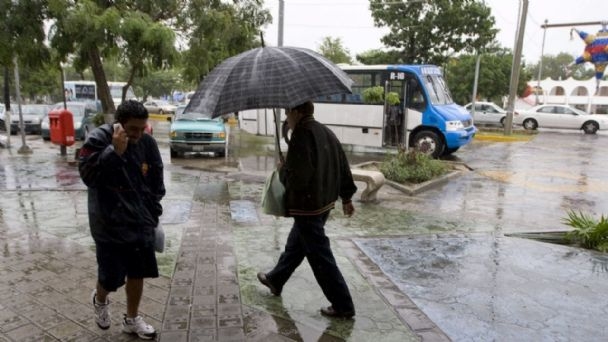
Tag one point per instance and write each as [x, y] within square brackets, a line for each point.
[276, 135]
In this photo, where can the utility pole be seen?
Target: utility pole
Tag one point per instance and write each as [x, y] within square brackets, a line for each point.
[281, 15]
[7, 106]
[515, 67]
[475, 82]
[540, 62]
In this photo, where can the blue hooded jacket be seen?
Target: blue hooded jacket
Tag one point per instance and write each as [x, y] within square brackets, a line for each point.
[124, 191]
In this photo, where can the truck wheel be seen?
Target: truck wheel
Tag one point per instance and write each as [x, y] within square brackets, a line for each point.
[174, 153]
[429, 143]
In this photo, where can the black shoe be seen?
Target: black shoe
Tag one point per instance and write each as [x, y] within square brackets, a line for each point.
[262, 278]
[330, 312]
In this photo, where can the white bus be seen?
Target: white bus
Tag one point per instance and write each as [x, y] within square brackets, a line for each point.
[87, 91]
[426, 117]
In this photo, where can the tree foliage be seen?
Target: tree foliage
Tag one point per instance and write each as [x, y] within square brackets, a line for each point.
[216, 30]
[129, 30]
[378, 56]
[431, 31]
[22, 33]
[556, 67]
[494, 77]
[22, 39]
[334, 50]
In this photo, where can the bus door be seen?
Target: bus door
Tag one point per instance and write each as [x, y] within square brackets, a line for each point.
[394, 113]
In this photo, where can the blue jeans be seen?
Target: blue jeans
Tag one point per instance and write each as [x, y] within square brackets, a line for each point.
[307, 239]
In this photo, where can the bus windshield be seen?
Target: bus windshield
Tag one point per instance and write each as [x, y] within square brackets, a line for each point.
[438, 92]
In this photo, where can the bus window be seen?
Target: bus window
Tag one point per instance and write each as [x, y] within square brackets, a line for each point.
[362, 81]
[415, 96]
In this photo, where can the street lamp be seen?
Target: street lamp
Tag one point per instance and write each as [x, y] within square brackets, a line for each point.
[540, 63]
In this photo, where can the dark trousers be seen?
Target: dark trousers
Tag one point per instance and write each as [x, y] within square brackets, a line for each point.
[307, 239]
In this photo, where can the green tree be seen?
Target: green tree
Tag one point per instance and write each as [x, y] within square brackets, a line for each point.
[22, 38]
[157, 83]
[216, 30]
[133, 31]
[494, 77]
[147, 44]
[377, 56]
[431, 31]
[334, 50]
[556, 67]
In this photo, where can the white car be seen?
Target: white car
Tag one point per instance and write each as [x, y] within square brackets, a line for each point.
[487, 113]
[159, 107]
[560, 116]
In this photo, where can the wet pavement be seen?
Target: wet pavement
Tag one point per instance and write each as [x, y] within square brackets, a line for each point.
[438, 266]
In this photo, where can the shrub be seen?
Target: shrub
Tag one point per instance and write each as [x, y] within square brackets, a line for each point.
[392, 98]
[412, 167]
[588, 232]
[373, 95]
[98, 119]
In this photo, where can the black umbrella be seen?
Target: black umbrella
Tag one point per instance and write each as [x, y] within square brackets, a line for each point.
[268, 77]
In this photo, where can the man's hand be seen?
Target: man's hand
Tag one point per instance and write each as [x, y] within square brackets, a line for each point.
[348, 209]
[119, 139]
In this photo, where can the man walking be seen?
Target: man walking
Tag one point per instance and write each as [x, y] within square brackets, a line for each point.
[123, 170]
[315, 174]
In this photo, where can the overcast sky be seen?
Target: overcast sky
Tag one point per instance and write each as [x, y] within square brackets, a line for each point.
[307, 22]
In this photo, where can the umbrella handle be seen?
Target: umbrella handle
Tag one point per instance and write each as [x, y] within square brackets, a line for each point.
[276, 134]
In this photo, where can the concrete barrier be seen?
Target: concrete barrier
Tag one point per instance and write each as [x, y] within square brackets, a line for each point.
[374, 180]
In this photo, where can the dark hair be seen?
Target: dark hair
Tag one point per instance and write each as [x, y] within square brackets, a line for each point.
[306, 108]
[130, 109]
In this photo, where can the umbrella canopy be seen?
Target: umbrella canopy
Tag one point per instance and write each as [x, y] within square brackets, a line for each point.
[268, 77]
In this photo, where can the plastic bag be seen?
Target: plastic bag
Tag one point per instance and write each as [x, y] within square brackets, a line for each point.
[159, 239]
[273, 202]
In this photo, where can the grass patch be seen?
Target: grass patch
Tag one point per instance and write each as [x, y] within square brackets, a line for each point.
[412, 167]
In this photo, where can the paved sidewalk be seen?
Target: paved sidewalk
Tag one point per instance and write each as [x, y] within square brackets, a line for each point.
[447, 252]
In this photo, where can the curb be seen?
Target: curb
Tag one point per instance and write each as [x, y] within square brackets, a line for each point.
[414, 189]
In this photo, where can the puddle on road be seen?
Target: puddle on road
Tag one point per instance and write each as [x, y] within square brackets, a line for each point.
[554, 181]
[216, 192]
[244, 212]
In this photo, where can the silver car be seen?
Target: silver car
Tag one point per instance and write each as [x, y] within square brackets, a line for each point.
[159, 107]
[487, 113]
[560, 116]
[32, 117]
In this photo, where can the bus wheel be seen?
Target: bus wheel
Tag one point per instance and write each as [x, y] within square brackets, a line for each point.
[429, 143]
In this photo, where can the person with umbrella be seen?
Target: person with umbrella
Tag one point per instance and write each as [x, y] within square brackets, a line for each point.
[315, 173]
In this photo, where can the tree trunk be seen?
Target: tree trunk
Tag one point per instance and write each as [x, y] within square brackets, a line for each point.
[103, 91]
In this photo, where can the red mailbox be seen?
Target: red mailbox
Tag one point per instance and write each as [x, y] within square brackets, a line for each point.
[61, 125]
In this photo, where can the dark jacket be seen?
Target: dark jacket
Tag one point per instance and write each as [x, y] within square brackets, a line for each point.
[316, 170]
[124, 191]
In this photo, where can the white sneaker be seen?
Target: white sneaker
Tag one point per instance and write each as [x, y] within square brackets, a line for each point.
[102, 312]
[137, 326]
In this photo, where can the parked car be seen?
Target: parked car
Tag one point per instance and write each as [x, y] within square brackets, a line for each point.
[560, 116]
[159, 107]
[196, 132]
[82, 112]
[487, 113]
[32, 117]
